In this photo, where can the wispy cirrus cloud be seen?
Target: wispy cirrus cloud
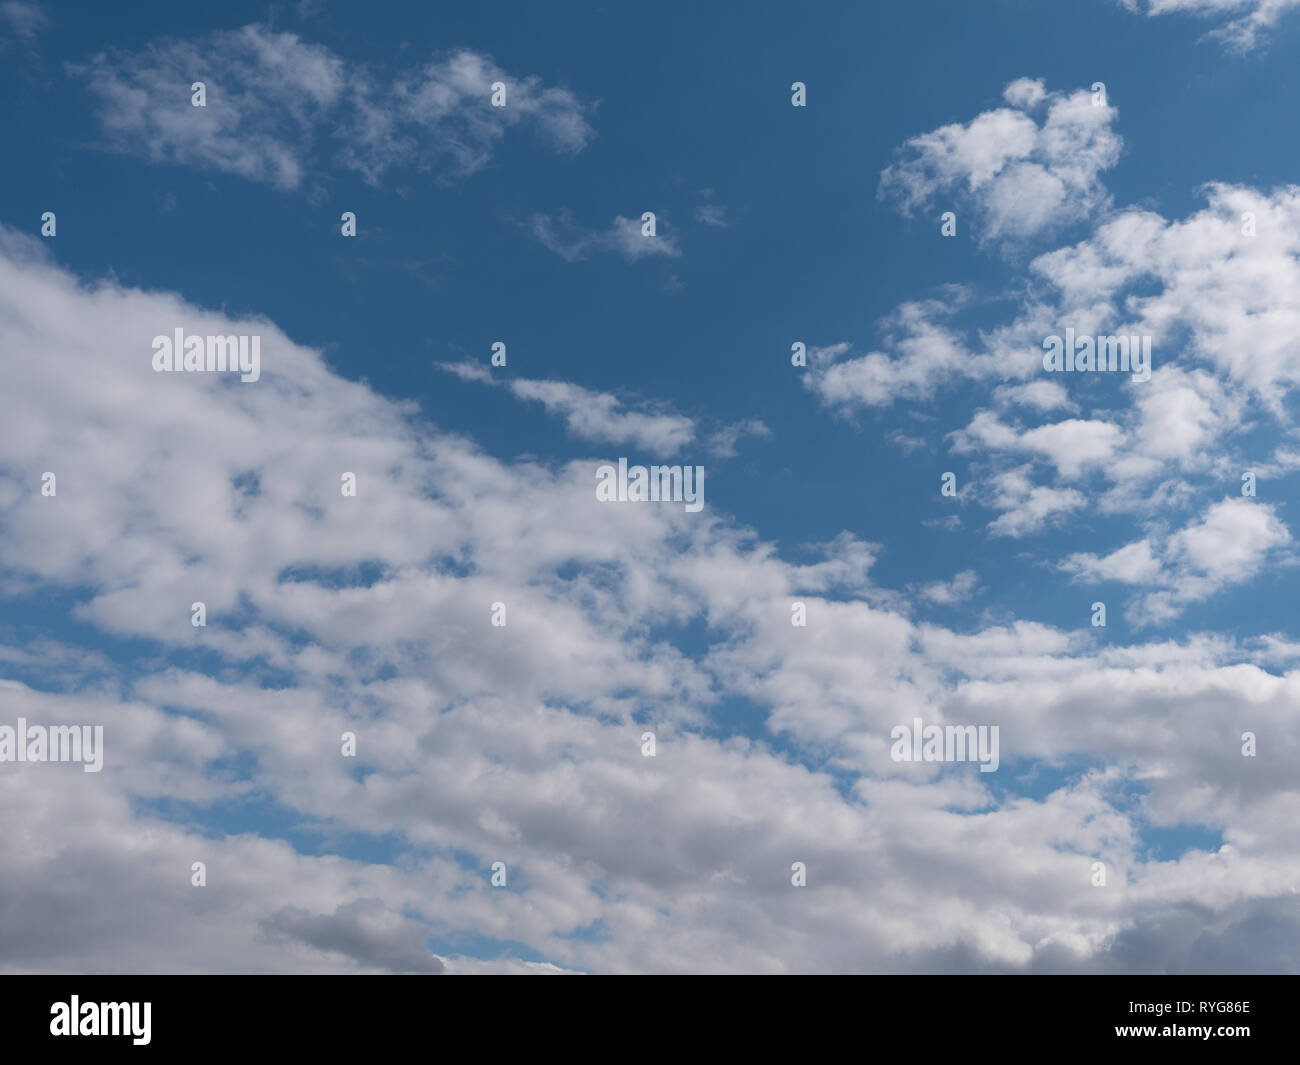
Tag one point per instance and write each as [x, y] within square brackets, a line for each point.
[1244, 23]
[602, 417]
[713, 214]
[624, 237]
[24, 20]
[279, 108]
[589, 415]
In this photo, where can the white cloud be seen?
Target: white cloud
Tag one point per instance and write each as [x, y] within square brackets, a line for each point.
[451, 101]
[1132, 564]
[1042, 396]
[1228, 545]
[624, 236]
[724, 439]
[1019, 178]
[1073, 446]
[712, 214]
[604, 418]
[599, 416]
[1231, 540]
[523, 743]
[272, 98]
[922, 355]
[1217, 294]
[1247, 20]
[947, 593]
[589, 415]
[1028, 508]
[26, 21]
[1184, 415]
[1025, 93]
[1235, 297]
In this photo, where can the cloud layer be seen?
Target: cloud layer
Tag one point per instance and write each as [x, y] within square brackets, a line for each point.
[522, 744]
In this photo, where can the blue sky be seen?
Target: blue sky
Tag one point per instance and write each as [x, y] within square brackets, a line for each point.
[776, 224]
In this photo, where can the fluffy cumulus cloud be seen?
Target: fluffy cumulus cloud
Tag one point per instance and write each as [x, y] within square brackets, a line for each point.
[278, 107]
[1131, 483]
[1228, 544]
[1213, 295]
[522, 744]
[1216, 294]
[1013, 172]
[923, 353]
